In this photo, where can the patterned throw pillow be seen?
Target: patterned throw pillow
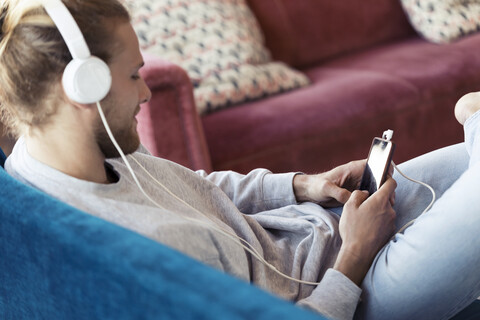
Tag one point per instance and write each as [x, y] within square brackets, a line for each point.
[219, 44]
[443, 21]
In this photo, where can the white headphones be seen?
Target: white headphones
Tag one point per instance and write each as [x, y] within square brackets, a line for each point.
[86, 79]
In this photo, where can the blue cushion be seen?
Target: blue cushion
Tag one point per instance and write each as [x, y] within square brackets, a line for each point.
[57, 262]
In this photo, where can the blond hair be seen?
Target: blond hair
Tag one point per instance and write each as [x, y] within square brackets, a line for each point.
[33, 55]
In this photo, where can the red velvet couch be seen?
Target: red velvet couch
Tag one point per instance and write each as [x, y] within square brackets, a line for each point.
[369, 70]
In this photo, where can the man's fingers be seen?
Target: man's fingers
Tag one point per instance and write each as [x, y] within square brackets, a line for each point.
[392, 199]
[358, 197]
[387, 188]
[342, 195]
[335, 192]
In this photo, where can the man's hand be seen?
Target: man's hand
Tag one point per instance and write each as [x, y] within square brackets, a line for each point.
[332, 188]
[367, 223]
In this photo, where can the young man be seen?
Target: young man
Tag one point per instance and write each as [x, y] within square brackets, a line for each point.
[65, 151]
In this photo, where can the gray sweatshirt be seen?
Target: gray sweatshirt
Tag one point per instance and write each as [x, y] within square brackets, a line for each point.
[300, 240]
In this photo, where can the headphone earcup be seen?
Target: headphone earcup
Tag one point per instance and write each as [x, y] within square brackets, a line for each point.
[87, 80]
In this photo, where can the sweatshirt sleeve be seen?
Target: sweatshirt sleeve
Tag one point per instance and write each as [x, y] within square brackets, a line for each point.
[336, 297]
[256, 191]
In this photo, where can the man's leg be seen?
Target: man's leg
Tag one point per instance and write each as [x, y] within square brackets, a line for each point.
[439, 169]
[431, 271]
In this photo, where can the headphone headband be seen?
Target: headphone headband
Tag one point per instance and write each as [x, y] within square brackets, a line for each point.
[68, 28]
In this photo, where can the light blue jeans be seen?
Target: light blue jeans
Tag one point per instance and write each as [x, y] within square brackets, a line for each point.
[432, 270]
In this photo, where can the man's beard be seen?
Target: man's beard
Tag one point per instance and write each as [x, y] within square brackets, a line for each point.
[126, 137]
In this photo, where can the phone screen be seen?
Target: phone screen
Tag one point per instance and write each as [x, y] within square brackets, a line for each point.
[378, 163]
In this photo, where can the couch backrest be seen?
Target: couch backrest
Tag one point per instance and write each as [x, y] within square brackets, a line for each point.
[305, 32]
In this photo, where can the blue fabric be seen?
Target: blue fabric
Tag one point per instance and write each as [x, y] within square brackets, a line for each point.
[57, 262]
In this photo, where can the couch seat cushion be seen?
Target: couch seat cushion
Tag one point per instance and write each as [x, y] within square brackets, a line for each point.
[409, 87]
[276, 131]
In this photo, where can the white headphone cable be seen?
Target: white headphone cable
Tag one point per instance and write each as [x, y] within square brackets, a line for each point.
[229, 235]
[420, 183]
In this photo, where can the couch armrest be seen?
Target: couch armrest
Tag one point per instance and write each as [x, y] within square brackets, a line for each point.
[169, 125]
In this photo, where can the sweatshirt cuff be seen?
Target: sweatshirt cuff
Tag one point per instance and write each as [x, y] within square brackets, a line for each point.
[336, 297]
[278, 190]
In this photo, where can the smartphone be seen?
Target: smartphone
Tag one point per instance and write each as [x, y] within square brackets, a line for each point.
[378, 164]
